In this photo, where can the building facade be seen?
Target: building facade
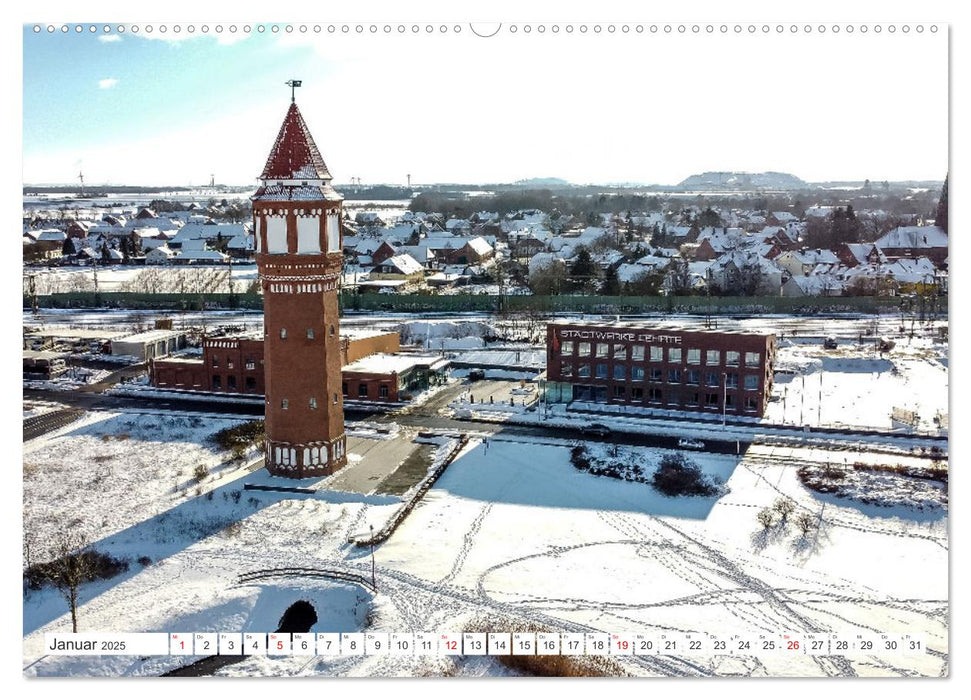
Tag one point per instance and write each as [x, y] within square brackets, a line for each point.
[656, 367]
[297, 223]
[237, 366]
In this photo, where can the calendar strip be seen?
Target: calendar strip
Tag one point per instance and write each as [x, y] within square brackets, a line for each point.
[853, 644]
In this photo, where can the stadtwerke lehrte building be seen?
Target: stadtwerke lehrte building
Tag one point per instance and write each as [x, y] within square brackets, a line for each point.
[661, 367]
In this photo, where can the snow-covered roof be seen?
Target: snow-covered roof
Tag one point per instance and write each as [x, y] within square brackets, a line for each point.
[914, 237]
[214, 255]
[294, 155]
[242, 242]
[480, 246]
[384, 363]
[160, 251]
[405, 264]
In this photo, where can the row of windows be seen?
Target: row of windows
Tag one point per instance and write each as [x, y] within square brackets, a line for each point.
[362, 390]
[656, 374]
[310, 333]
[312, 456]
[217, 382]
[285, 403]
[671, 398]
[249, 364]
[733, 358]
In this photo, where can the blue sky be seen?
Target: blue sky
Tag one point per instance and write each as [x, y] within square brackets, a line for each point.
[451, 107]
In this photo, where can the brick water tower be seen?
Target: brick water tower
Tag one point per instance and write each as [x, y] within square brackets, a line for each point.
[297, 221]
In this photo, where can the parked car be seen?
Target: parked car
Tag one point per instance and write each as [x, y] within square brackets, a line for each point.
[691, 443]
[596, 429]
[830, 343]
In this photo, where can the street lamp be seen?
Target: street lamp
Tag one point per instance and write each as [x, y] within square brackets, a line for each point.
[374, 585]
[724, 397]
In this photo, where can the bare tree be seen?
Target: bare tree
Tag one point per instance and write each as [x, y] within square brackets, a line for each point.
[806, 523]
[71, 566]
[784, 507]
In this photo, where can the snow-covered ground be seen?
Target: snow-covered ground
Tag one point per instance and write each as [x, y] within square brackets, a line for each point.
[136, 278]
[857, 386]
[111, 471]
[512, 529]
[72, 379]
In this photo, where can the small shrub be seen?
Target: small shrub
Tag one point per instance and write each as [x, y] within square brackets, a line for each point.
[679, 476]
[246, 434]
[236, 496]
[784, 507]
[765, 518]
[579, 458]
[144, 561]
[232, 530]
[209, 495]
[200, 472]
[99, 564]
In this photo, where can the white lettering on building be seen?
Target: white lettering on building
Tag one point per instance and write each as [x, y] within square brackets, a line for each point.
[569, 334]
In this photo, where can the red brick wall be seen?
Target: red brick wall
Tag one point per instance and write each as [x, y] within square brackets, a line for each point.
[374, 382]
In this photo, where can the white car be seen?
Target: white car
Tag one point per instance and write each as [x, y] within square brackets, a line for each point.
[690, 443]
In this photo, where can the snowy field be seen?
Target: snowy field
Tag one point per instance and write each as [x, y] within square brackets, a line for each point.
[513, 530]
[110, 471]
[857, 386]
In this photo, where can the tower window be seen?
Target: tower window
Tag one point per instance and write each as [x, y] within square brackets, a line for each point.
[335, 399]
[284, 404]
[313, 402]
[283, 333]
[332, 331]
[310, 334]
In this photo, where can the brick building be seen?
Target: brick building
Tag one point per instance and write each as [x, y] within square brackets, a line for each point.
[659, 367]
[236, 365]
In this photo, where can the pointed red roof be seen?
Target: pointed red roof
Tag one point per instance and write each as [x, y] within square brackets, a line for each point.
[295, 155]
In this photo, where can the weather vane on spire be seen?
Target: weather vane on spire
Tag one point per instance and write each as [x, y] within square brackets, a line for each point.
[294, 84]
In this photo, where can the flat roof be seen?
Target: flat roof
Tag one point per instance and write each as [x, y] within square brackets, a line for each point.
[80, 333]
[150, 336]
[359, 333]
[661, 326]
[42, 355]
[384, 363]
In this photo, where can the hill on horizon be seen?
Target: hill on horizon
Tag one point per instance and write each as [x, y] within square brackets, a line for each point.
[742, 181]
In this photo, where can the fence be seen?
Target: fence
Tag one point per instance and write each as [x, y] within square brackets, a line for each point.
[489, 303]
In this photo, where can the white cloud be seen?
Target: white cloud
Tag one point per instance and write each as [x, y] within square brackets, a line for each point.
[109, 38]
[107, 83]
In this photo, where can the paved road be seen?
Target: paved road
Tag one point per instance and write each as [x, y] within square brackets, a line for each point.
[426, 417]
